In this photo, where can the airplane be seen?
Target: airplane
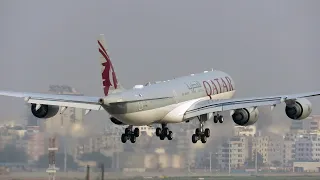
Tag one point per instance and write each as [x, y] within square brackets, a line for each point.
[203, 96]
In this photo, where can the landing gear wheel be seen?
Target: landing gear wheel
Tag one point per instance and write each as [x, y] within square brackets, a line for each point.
[218, 118]
[207, 132]
[136, 132]
[127, 131]
[158, 131]
[221, 119]
[215, 119]
[123, 138]
[165, 131]
[203, 139]
[194, 138]
[197, 132]
[133, 138]
[170, 135]
[130, 134]
[162, 136]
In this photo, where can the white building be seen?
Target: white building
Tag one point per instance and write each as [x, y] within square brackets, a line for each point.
[149, 130]
[308, 148]
[311, 123]
[270, 147]
[234, 149]
[288, 152]
[245, 130]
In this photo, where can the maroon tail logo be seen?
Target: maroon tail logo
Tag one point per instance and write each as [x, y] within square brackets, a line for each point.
[106, 72]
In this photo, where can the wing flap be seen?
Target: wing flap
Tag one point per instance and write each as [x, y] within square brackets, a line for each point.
[76, 101]
[225, 106]
[67, 104]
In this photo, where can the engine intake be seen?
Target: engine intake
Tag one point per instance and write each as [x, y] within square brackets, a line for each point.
[116, 121]
[245, 117]
[45, 111]
[298, 109]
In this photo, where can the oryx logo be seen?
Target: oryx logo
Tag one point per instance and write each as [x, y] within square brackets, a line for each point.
[109, 77]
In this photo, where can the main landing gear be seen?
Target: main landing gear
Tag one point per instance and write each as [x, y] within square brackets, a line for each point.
[201, 133]
[130, 134]
[218, 118]
[164, 132]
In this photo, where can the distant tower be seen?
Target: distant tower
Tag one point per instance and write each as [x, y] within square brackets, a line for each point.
[52, 170]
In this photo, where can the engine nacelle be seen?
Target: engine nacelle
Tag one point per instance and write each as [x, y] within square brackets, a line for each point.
[245, 116]
[45, 111]
[298, 109]
[116, 121]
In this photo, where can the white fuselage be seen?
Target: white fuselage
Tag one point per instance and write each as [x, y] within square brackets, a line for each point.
[167, 102]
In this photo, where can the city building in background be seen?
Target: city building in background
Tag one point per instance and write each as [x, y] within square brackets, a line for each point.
[270, 148]
[245, 130]
[62, 123]
[307, 147]
[309, 124]
[234, 151]
[35, 145]
[289, 151]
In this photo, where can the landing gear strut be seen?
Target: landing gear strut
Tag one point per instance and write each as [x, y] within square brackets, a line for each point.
[218, 118]
[130, 134]
[164, 132]
[200, 133]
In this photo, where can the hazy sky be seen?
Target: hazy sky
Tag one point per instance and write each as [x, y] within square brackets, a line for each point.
[268, 47]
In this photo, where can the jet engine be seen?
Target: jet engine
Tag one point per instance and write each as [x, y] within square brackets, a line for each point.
[298, 109]
[245, 116]
[45, 111]
[116, 121]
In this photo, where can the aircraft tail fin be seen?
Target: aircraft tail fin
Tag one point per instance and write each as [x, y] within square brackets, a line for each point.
[109, 78]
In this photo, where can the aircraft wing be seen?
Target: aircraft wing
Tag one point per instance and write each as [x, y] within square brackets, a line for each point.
[75, 101]
[209, 106]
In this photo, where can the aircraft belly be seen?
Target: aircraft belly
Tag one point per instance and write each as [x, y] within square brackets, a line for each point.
[146, 117]
[177, 113]
[173, 113]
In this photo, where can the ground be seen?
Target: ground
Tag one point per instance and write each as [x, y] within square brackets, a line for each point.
[144, 176]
